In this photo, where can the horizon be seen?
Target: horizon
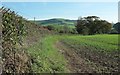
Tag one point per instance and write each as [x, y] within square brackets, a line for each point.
[56, 18]
[66, 10]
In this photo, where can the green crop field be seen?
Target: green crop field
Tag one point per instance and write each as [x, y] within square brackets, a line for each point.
[106, 43]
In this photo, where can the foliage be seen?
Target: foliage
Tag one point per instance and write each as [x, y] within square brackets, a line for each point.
[51, 27]
[113, 31]
[117, 27]
[13, 31]
[92, 25]
[62, 29]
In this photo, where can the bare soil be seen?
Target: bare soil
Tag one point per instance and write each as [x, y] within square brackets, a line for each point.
[84, 60]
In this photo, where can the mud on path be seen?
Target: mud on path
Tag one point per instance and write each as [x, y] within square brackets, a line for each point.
[78, 63]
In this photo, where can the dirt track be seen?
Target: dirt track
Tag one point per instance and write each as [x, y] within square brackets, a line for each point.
[76, 63]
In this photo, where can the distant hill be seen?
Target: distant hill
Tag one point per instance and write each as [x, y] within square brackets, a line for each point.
[56, 21]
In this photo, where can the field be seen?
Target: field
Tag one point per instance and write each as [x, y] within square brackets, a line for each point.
[58, 45]
[75, 53]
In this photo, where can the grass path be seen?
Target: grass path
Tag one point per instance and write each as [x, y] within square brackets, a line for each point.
[46, 57]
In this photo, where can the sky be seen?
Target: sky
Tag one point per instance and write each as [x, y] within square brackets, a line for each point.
[68, 10]
[59, 0]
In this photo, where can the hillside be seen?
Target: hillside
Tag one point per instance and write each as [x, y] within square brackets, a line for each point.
[56, 21]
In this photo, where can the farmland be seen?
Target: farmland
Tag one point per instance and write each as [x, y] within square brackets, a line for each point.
[102, 55]
[75, 53]
[57, 45]
[56, 49]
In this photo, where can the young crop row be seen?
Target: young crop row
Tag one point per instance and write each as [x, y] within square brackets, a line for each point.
[108, 39]
[105, 43]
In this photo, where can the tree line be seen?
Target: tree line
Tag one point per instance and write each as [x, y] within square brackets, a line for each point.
[92, 25]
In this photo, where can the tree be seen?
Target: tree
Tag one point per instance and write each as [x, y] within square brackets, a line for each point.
[66, 29]
[113, 31]
[50, 27]
[117, 27]
[80, 25]
[92, 25]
